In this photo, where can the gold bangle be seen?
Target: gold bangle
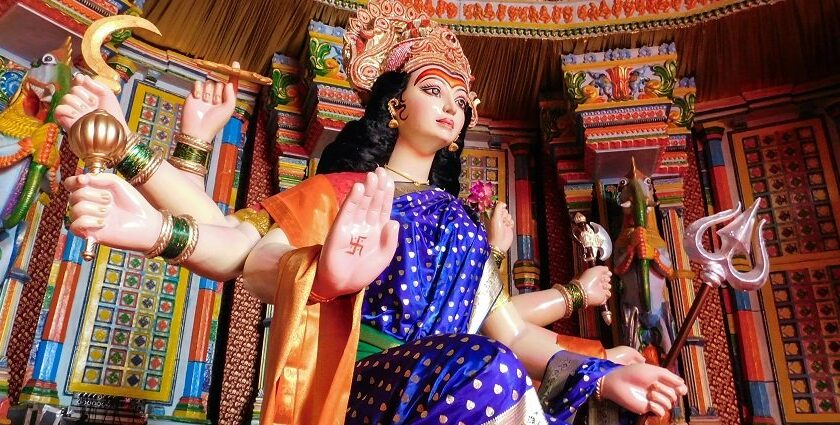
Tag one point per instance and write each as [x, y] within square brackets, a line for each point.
[194, 142]
[317, 299]
[567, 298]
[130, 141]
[192, 242]
[259, 219]
[164, 237]
[598, 386]
[146, 173]
[498, 255]
[190, 167]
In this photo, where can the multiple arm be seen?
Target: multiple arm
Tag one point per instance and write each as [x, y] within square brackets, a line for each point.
[638, 387]
[206, 110]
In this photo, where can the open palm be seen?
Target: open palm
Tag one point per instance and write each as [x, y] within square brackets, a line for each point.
[362, 240]
[209, 107]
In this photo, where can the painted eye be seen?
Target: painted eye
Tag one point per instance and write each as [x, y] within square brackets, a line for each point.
[462, 104]
[622, 183]
[48, 59]
[434, 91]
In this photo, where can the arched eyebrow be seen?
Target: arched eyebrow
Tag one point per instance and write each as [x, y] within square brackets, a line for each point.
[454, 81]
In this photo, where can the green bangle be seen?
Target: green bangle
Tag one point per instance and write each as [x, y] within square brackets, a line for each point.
[136, 160]
[180, 238]
[191, 154]
[576, 294]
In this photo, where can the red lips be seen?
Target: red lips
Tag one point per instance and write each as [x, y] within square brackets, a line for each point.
[447, 122]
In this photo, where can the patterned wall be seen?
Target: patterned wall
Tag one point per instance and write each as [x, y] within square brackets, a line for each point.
[806, 339]
[787, 168]
[789, 165]
[484, 165]
[128, 343]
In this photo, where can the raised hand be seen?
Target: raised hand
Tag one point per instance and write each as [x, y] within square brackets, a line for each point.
[361, 241]
[643, 388]
[595, 282]
[624, 355]
[500, 231]
[209, 107]
[85, 96]
[107, 209]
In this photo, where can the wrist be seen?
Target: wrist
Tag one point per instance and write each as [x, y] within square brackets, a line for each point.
[198, 134]
[599, 388]
[498, 255]
[322, 291]
[158, 231]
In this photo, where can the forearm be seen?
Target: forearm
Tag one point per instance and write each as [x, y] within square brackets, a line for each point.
[221, 251]
[541, 308]
[170, 189]
[262, 266]
[533, 345]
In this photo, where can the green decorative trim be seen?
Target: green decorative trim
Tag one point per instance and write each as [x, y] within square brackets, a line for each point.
[668, 74]
[686, 105]
[574, 85]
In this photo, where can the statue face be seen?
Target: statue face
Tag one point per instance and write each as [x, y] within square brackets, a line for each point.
[431, 112]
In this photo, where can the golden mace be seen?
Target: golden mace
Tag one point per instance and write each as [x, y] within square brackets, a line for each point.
[98, 138]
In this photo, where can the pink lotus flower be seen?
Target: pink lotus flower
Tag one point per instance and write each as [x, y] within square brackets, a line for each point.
[482, 197]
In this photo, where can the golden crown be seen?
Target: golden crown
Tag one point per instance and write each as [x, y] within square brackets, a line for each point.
[390, 36]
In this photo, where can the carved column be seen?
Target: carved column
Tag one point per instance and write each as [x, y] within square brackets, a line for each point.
[630, 104]
[526, 269]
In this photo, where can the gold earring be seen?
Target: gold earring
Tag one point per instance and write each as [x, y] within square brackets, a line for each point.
[453, 147]
[392, 108]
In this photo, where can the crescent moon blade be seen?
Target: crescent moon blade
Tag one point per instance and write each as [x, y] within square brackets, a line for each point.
[95, 36]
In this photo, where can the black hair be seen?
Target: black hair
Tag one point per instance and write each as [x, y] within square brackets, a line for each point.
[368, 142]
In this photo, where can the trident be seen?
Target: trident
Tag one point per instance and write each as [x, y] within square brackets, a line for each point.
[717, 265]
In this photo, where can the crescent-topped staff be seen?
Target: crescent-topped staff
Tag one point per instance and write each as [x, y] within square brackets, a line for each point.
[97, 138]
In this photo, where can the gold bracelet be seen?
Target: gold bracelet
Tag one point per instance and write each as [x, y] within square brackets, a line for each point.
[598, 386]
[194, 142]
[498, 255]
[164, 237]
[259, 219]
[567, 298]
[146, 173]
[317, 299]
[190, 167]
[130, 141]
[192, 242]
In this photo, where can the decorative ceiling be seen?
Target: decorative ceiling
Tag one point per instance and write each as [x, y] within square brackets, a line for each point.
[788, 42]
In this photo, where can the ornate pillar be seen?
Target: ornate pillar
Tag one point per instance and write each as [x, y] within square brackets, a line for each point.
[23, 241]
[629, 105]
[192, 404]
[41, 387]
[526, 269]
[334, 102]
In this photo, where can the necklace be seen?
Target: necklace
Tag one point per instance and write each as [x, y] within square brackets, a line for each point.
[406, 176]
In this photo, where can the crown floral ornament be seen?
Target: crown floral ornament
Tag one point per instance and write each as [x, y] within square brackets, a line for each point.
[390, 36]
